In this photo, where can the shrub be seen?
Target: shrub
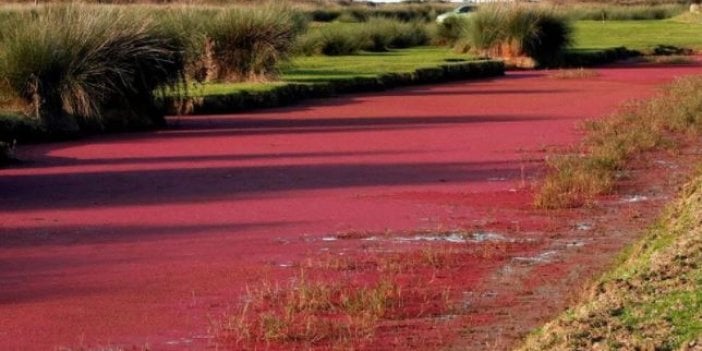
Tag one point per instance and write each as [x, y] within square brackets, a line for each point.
[517, 31]
[324, 15]
[410, 34]
[378, 34]
[405, 12]
[248, 43]
[340, 40]
[545, 35]
[82, 64]
[233, 44]
[333, 40]
[189, 27]
[451, 31]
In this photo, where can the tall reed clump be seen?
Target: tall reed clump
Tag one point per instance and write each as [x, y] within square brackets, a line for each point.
[452, 31]
[189, 26]
[513, 32]
[74, 66]
[576, 180]
[234, 44]
[248, 43]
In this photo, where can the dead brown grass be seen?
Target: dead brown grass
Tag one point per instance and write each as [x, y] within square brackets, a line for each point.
[662, 122]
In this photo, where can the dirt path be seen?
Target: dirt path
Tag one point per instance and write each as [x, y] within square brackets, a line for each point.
[134, 239]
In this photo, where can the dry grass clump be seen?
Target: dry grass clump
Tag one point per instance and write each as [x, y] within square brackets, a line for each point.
[351, 300]
[576, 180]
[578, 73]
[320, 312]
[429, 258]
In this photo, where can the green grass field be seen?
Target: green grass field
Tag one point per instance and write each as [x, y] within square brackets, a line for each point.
[637, 35]
[320, 69]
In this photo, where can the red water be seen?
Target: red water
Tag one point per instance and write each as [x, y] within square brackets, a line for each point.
[133, 239]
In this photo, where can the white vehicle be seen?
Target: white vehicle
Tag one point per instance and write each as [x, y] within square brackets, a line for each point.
[461, 11]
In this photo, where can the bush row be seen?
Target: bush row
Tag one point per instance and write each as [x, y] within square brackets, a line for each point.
[358, 13]
[606, 12]
[378, 34]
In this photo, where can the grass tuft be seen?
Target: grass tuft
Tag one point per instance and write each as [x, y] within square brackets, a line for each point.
[248, 43]
[320, 312]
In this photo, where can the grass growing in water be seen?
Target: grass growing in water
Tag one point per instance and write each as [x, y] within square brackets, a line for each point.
[318, 312]
[575, 180]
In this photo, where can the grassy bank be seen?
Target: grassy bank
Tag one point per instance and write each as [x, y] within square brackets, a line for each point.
[651, 301]
[318, 77]
[323, 69]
